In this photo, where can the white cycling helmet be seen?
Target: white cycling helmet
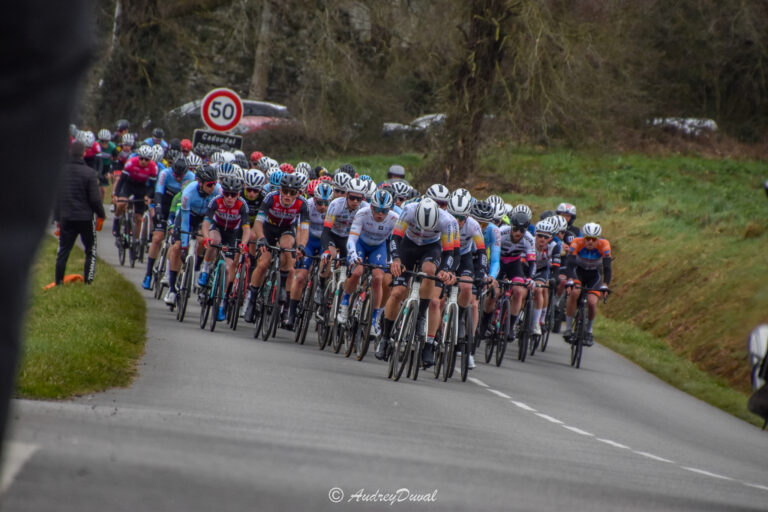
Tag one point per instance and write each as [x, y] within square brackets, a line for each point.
[400, 189]
[263, 164]
[341, 180]
[546, 226]
[303, 180]
[562, 224]
[438, 192]
[228, 156]
[566, 208]
[357, 186]
[372, 188]
[87, 138]
[304, 168]
[217, 157]
[427, 214]
[193, 160]
[460, 202]
[238, 171]
[508, 209]
[592, 229]
[254, 178]
[127, 139]
[238, 153]
[499, 211]
[144, 151]
[522, 208]
[105, 134]
[157, 152]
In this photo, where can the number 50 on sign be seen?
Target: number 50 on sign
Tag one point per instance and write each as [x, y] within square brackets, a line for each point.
[222, 109]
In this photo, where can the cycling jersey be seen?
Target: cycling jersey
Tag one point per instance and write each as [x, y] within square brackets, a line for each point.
[471, 237]
[492, 238]
[547, 260]
[371, 232]
[590, 259]
[510, 250]
[138, 174]
[151, 142]
[194, 201]
[339, 217]
[107, 155]
[275, 214]
[227, 218]
[316, 219]
[168, 185]
[254, 206]
[445, 234]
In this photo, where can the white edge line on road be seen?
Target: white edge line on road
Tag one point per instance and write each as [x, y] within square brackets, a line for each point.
[613, 443]
[578, 431]
[478, 382]
[654, 457]
[523, 406]
[499, 393]
[548, 418]
[706, 473]
[18, 454]
[756, 486]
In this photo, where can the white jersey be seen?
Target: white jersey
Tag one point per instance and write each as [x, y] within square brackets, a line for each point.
[525, 248]
[339, 218]
[446, 231]
[370, 232]
[316, 219]
[547, 257]
[471, 236]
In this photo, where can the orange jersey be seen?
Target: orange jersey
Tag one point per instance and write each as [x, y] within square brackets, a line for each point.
[586, 258]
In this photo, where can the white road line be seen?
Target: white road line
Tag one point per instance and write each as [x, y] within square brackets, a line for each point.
[549, 418]
[706, 473]
[578, 431]
[499, 393]
[756, 486]
[613, 443]
[523, 406]
[654, 457]
[16, 456]
[478, 382]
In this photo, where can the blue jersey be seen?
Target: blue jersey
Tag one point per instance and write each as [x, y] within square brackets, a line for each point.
[151, 142]
[167, 184]
[492, 238]
[194, 202]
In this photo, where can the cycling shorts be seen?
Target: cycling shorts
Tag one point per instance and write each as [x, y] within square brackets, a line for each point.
[541, 275]
[466, 265]
[340, 242]
[229, 237]
[138, 190]
[588, 278]
[413, 256]
[274, 233]
[375, 255]
[313, 248]
[512, 271]
[195, 221]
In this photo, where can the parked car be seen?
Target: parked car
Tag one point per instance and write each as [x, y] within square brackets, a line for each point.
[257, 115]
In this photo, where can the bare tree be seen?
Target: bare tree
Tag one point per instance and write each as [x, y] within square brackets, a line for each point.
[261, 57]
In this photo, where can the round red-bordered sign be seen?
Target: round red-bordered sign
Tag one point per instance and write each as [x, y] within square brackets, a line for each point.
[222, 109]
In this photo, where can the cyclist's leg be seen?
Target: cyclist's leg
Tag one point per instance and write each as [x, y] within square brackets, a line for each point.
[287, 261]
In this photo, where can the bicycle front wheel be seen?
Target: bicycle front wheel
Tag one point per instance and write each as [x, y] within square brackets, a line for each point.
[466, 343]
[217, 293]
[450, 345]
[523, 333]
[306, 311]
[363, 338]
[270, 290]
[185, 288]
[402, 354]
[502, 334]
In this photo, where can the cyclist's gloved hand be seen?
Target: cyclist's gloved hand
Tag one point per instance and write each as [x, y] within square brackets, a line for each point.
[603, 287]
[300, 251]
[326, 255]
[207, 242]
[262, 242]
[529, 282]
[243, 246]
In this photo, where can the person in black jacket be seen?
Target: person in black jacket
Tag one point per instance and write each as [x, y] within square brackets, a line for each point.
[78, 200]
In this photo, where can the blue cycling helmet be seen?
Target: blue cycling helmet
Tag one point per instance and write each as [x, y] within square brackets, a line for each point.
[275, 177]
[365, 177]
[324, 191]
[382, 200]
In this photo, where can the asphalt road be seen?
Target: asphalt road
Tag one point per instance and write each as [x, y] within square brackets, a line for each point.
[221, 421]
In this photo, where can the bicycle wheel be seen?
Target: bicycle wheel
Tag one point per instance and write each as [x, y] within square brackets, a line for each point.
[324, 333]
[577, 339]
[549, 321]
[440, 351]
[559, 314]
[466, 343]
[524, 331]
[271, 290]
[185, 288]
[450, 347]
[402, 352]
[205, 306]
[364, 326]
[502, 333]
[159, 272]
[219, 286]
[490, 344]
[144, 235]
[306, 311]
[120, 248]
[336, 328]
[238, 297]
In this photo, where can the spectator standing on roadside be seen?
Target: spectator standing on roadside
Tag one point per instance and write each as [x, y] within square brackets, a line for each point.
[78, 200]
[394, 173]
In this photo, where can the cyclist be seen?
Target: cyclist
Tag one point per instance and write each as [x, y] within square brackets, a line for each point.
[586, 257]
[400, 190]
[106, 157]
[255, 157]
[483, 212]
[135, 180]
[157, 138]
[517, 244]
[186, 148]
[194, 205]
[169, 183]
[367, 242]
[227, 215]
[423, 239]
[317, 206]
[394, 173]
[281, 212]
[547, 264]
[568, 212]
[472, 256]
[340, 182]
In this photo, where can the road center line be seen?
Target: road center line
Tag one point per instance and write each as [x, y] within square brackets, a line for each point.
[756, 486]
[523, 406]
[613, 443]
[706, 473]
[478, 382]
[654, 457]
[548, 418]
[18, 454]
[499, 393]
[578, 431]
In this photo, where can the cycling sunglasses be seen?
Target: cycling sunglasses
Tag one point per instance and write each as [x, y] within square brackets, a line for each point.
[249, 189]
[590, 238]
[319, 202]
[289, 191]
[230, 194]
[460, 218]
[209, 183]
[542, 235]
[354, 198]
[521, 230]
[381, 210]
[339, 191]
[144, 159]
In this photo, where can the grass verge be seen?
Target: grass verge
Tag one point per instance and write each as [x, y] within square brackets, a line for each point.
[79, 339]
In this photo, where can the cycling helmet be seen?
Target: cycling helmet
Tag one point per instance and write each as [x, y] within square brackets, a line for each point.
[326, 177]
[238, 154]
[323, 191]
[263, 163]
[482, 211]
[290, 181]
[508, 209]
[123, 124]
[241, 161]
[546, 214]
[217, 158]
[105, 134]
[186, 145]
[400, 189]
[357, 186]
[157, 152]
[365, 177]
[172, 155]
[427, 214]
[460, 202]
[592, 229]
[271, 162]
[524, 208]
[228, 156]
[287, 168]
[239, 171]
[341, 180]
[545, 226]
[320, 171]
[304, 167]
[256, 156]
[275, 178]
[562, 224]
[348, 169]
[498, 211]
[439, 193]
[413, 193]
[382, 199]
[303, 180]
[226, 169]
[174, 144]
[519, 220]
[396, 170]
[87, 138]
[158, 133]
[566, 208]
[180, 167]
[144, 152]
[311, 186]
[193, 160]
[127, 139]
[231, 183]
[254, 178]
[494, 200]
[207, 173]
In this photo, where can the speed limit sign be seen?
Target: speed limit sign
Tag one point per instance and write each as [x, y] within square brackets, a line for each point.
[221, 109]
